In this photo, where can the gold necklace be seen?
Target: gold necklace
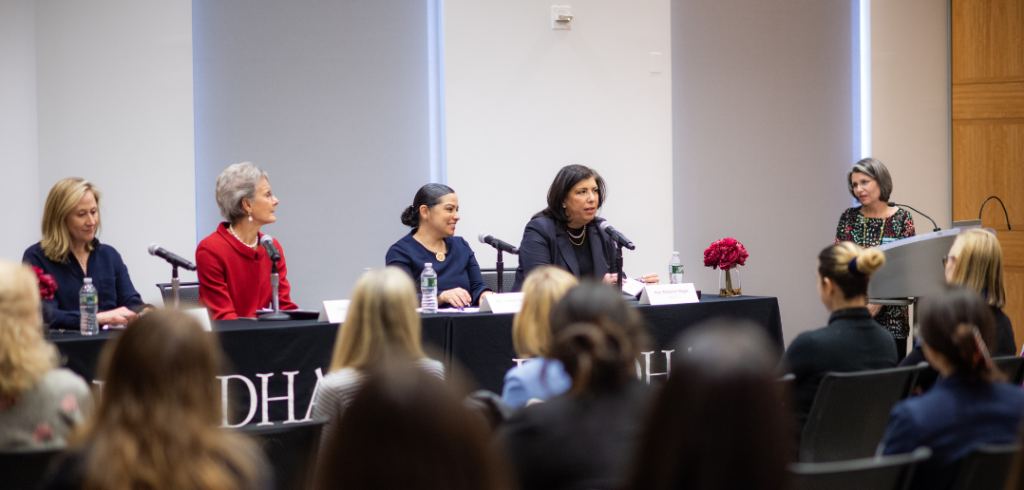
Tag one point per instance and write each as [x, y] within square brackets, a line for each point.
[881, 230]
[580, 238]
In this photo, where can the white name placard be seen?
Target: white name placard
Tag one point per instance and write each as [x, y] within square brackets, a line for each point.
[669, 294]
[631, 286]
[333, 311]
[501, 303]
[202, 315]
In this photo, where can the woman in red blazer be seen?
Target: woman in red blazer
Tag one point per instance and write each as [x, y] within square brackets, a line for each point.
[234, 270]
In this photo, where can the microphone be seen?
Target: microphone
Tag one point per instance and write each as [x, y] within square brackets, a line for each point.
[1001, 204]
[618, 237]
[268, 243]
[892, 204]
[155, 249]
[498, 244]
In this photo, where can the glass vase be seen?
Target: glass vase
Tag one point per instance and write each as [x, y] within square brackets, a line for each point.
[729, 282]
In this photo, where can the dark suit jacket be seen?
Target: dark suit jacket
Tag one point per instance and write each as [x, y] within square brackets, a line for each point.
[544, 243]
[952, 419]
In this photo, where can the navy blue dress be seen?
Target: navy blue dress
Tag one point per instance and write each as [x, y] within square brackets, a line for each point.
[459, 269]
[109, 276]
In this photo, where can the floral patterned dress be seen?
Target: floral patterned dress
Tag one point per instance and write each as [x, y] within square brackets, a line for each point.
[872, 232]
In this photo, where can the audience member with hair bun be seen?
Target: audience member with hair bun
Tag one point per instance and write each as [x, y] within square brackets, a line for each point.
[875, 223]
[70, 251]
[540, 377]
[158, 423]
[853, 340]
[584, 437]
[969, 405]
[407, 429]
[381, 326]
[701, 432]
[39, 402]
[433, 215]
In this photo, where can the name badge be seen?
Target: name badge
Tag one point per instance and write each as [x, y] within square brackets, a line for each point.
[501, 303]
[669, 294]
[631, 286]
[202, 315]
[333, 311]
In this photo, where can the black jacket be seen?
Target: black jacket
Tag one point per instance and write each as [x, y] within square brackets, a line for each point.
[546, 243]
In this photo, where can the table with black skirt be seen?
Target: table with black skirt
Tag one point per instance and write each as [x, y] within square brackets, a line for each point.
[272, 368]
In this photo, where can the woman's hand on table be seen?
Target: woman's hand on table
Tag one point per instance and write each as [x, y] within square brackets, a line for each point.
[648, 279]
[610, 279]
[456, 297]
[117, 316]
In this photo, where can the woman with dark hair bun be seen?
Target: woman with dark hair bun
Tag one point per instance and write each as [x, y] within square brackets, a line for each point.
[584, 437]
[432, 216]
[565, 234]
[969, 405]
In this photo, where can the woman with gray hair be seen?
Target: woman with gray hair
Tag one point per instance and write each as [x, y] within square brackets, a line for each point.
[875, 223]
[234, 270]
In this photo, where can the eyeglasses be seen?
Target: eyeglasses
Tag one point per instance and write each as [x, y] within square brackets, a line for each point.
[947, 258]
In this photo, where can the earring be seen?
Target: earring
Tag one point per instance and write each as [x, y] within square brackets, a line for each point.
[250, 215]
[563, 205]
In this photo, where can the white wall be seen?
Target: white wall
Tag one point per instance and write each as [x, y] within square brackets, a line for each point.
[910, 94]
[523, 100]
[19, 158]
[114, 84]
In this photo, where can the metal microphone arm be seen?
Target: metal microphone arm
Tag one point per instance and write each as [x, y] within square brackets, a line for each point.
[892, 204]
[1001, 204]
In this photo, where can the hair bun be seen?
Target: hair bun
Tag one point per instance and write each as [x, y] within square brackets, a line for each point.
[870, 260]
[410, 217]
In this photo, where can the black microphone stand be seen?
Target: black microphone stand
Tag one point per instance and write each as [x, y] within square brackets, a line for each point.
[275, 283]
[175, 284]
[618, 264]
[500, 265]
[1007, 216]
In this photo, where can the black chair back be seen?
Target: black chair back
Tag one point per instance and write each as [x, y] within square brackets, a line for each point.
[882, 473]
[851, 411]
[188, 294]
[291, 450]
[985, 468]
[24, 470]
[491, 279]
[1012, 367]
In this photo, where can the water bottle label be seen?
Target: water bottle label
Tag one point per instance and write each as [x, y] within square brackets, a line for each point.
[429, 282]
[676, 269]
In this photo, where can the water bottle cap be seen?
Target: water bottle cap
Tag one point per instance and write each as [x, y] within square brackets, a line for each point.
[675, 253]
[428, 264]
[87, 280]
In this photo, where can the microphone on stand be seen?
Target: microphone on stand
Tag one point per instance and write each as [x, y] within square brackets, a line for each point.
[498, 244]
[268, 243]
[615, 235]
[174, 260]
[275, 281]
[1007, 216]
[892, 204]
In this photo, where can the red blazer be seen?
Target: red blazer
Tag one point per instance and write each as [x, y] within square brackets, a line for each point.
[234, 280]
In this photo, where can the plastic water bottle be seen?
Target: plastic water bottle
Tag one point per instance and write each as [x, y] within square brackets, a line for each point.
[88, 305]
[675, 269]
[428, 289]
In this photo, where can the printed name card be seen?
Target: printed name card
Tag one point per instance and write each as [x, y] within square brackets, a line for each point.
[669, 294]
[501, 303]
[202, 315]
[631, 286]
[333, 311]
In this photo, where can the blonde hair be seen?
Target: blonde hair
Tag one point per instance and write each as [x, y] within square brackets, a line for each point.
[63, 198]
[531, 327]
[850, 266]
[25, 356]
[381, 323]
[979, 265]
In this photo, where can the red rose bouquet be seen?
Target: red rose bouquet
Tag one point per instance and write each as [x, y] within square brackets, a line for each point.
[47, 286]
[726, 254]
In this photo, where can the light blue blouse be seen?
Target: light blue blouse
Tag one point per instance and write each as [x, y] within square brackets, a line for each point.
[525, 382]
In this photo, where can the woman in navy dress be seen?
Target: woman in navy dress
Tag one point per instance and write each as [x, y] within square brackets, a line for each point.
[70, 252]
[432, 216]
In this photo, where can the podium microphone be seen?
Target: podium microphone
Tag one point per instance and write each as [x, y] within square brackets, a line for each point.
[498, 244]
[892, 204]
[175, 260]
[268, 243]
[1001, 204]
[615, 235]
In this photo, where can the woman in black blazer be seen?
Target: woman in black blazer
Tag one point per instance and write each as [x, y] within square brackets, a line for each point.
[565, 234]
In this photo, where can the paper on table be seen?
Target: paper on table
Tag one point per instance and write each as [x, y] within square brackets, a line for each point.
[453, 310]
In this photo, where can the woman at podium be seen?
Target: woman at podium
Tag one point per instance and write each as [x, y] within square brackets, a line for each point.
[70, 252]
[234, 269]
[432, 216]
[875, 223]
[566, 234]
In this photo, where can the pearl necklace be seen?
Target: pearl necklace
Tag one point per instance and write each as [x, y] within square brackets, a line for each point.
[254, 244]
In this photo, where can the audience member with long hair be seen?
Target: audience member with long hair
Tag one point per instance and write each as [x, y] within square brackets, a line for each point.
[702, 432]
[39, 403]
[584, 437]
[968, 406]
[381, 326]
[541, 377]
[157, 425]
[408, 429]
[853, 340]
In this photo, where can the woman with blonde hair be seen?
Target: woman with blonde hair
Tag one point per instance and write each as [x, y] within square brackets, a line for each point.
[539, 377]
[381, 326]
[39, 403]
[70, 252]
[853, 340]
[975, 261]
[157, 425]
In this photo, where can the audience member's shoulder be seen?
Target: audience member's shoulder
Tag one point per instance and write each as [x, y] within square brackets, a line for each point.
[431, 366]
[63, 380]
[342, 377]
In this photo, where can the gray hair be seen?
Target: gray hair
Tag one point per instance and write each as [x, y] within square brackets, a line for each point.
[236, 183]
[876, 170]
